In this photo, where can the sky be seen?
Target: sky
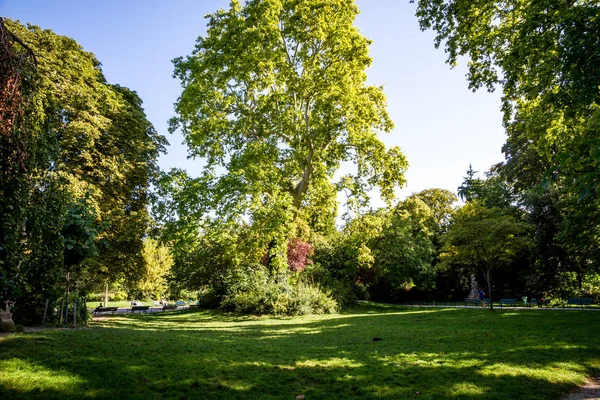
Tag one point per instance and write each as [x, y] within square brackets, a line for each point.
[440, 125]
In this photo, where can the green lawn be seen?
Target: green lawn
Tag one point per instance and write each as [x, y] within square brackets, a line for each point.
[424, 354]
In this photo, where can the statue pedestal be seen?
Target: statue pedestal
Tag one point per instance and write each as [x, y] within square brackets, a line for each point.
[6, 322]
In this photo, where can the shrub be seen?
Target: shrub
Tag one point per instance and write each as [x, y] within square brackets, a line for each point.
[254, 291]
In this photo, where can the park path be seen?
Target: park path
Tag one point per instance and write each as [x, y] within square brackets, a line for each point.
[496, 307]
[127, 310]
[589, 391]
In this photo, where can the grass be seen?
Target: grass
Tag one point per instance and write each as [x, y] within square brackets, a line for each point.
[424, 354]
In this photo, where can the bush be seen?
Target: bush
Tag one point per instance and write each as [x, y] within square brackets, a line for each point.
[208, 298]
[342, 291]
[254, 291]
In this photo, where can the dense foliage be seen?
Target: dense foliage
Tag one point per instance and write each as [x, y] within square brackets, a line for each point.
[274, 103]
[543, 55]
[81, 181]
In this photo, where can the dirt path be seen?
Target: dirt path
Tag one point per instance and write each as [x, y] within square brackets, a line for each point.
[589, 391]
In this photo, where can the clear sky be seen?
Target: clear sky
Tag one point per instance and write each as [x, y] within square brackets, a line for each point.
[440, 125]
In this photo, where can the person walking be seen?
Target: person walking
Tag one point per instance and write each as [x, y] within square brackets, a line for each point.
[481, 295]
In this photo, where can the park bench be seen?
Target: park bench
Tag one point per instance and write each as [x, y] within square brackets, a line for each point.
[508, 302]
[180, 303]
[169, 307]
[477, 302]
[143, 309]
[579, 302]
[99, 310]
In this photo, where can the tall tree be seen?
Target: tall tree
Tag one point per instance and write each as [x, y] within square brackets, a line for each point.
[441, 202]
[543, 54]
[275, 95]
[86, 138]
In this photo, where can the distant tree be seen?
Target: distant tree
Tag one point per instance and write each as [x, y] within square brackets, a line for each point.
[492, 191]
[405, 251]
[440, 202]
[484, 238]
[157, 266]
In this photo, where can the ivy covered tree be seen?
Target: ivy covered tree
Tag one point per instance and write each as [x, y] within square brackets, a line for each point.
[84, 137]
[17, 81]
[275, 100]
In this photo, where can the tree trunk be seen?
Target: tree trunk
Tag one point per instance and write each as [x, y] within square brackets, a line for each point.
[45, 312]
[60, 317]
[67, 299]
[106, 296]
[302, 186]
[488, 278]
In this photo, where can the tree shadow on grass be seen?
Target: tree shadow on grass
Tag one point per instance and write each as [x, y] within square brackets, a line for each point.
[428, 354]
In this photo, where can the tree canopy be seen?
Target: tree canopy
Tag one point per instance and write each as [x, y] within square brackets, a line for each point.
[89, 157]
[544, 56]
[274, 100]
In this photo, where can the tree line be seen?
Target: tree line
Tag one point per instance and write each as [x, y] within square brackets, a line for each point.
[274, 103]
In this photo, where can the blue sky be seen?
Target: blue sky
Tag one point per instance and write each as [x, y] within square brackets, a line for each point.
[440, 125]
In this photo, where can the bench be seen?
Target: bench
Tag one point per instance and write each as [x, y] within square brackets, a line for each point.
[99, 310]
[508, 302]
[140, 309]
[477, 302]
[180, 303]
[579, 302]
[169, 307]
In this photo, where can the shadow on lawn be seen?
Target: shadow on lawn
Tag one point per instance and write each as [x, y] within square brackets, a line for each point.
[453, 354]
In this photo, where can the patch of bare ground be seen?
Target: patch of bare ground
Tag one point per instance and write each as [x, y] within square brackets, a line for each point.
[589, 391]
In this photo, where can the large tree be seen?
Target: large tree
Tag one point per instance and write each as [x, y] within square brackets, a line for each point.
[86, 139]
[275, 100]
[544, 56]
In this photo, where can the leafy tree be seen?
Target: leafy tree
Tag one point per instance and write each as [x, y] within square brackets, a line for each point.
[83, 137]
[484, 238]
[274, 96]
[157, 266]
[405, 250]
[298, 254]
[106, 148]
[543, 55]
[392, 246]
[440, 202]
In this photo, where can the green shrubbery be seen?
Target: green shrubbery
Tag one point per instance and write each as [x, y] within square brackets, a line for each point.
[253, 290]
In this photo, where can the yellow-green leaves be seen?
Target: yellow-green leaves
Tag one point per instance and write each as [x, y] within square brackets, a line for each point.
[275, 93]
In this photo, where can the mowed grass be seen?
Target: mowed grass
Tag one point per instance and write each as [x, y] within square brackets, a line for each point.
[424, 354]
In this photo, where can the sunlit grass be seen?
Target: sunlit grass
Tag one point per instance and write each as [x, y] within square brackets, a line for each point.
[424, 354]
